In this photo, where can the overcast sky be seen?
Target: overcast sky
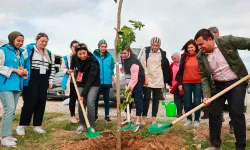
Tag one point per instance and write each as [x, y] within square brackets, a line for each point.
[88, 21]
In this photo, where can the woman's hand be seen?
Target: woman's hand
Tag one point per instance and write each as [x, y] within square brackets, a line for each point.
[70, 71]
[25, 73]
[146, 81]
[50, 85]
[19, 72]
[81, 99]
[180, 88]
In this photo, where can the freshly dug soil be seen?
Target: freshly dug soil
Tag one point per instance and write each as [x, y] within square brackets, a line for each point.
[164, 141]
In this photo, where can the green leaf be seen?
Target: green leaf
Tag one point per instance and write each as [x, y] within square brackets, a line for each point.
[115, 1]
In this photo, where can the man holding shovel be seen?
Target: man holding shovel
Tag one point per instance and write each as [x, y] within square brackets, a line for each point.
[221, 66]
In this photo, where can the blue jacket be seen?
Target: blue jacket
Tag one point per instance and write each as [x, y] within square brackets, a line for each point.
[107, 66]
[14, 82]
[28, 61]
[65, 76]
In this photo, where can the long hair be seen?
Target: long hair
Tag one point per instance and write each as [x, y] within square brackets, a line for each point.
[191, 41]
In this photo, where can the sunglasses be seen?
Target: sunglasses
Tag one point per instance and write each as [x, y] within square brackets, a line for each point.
[81, 47]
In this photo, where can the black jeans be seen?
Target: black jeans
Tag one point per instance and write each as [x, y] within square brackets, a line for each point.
[137, 94]
[157, 95]
[34, 98]
[178, 99]
[72, 100]
[235, 98]
[105, 92]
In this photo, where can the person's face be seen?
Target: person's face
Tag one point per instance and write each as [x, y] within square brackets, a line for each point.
[206, 46]
[175, 60]
[18, 42]
[216, 35]
[82, 54]
[191, 49]
[103, 48]
[155, 46]
[73, 47]
[124, 54]
[42, 42]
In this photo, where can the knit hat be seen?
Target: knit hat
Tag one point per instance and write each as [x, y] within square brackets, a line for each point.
[12, 36]
[176, 55]
[155, 40]
[102, 42]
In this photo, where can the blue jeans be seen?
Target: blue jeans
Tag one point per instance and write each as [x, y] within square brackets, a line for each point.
[192, 90]
[9, 101]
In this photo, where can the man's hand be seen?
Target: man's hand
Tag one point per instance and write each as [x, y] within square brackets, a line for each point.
[81, 99]
[206, 101]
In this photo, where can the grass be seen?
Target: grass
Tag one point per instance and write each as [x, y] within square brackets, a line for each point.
[58, 132]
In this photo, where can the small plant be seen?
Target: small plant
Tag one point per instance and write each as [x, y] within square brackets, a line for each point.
[127, 35]
[128, 99]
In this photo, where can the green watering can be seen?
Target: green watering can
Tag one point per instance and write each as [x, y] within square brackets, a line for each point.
[170, 108]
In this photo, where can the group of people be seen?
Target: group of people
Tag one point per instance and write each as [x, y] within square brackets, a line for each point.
[207, 65]
[31, 71]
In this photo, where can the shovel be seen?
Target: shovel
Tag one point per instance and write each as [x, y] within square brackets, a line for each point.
[128, 121]
[163, 127]
[89, 133]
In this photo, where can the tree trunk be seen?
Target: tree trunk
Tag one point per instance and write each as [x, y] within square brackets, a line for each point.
[118, 135]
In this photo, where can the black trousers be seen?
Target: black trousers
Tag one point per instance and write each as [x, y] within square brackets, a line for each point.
[34, 98]
[235, 98]
[72, 100]
[178, 99]
[157, 95]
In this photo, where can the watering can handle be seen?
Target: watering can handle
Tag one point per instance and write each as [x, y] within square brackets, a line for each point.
[212, 98]
[81, 104]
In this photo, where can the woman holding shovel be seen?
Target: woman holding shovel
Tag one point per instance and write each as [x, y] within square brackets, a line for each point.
[88, 81]
[134, 70]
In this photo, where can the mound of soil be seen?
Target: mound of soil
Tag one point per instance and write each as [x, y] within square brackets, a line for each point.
[108, 141]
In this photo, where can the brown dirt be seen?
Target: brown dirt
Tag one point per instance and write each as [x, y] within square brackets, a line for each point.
[164, 141]
[202, 133]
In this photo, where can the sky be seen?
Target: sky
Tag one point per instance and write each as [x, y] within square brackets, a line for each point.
[89, 21]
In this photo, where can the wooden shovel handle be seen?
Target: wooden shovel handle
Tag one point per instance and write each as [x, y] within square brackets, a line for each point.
[212, 99]
[81, 104]
[128, 111]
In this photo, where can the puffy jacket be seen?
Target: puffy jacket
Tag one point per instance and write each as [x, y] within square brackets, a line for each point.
[107, 65]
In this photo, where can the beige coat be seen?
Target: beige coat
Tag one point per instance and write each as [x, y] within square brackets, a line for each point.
[153, 69]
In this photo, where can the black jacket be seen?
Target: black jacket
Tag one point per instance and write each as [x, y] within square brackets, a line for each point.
[179, 75]
[91, 72]
[164, 65]
[127, 66]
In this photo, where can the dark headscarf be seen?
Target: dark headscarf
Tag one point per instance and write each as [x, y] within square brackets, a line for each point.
[12, 36]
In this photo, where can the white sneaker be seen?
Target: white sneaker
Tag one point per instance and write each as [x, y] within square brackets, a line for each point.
[8, 142]
[196, 124]
[187, 122]
[39, 130]
[20, 130]
[80, 129]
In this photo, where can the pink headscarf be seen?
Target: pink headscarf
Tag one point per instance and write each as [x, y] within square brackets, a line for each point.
[176, 55]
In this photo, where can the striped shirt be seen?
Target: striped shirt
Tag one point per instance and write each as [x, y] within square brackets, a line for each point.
[39, 59]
